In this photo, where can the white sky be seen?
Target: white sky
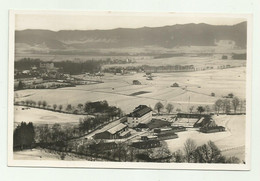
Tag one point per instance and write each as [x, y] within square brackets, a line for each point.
[106, 20]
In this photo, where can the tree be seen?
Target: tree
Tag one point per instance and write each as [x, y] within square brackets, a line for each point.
[54, 106]
[69, 108]
[24, 135]
[207, 109]
[44, 104]
[60, 107]
[178, 110]
[80, 106]
[218, 105]
[169, 108]
[39, 103]
[178, 156]
[230, 95]
[200, 109]
[226, 106]
[189, 149]
[235, 102]
[213, 94]
[20, 85]
[158, 106]
[27, 102]
[191, 109]
[208, 153]
[33, 103]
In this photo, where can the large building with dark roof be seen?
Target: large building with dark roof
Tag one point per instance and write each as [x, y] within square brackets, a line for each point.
[116, 132]
[141, 114]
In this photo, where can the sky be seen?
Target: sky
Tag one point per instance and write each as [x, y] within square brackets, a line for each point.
[56, 21]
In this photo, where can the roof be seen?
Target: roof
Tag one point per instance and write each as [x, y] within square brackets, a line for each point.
[117, 128]
[140, 111]
[124, 133]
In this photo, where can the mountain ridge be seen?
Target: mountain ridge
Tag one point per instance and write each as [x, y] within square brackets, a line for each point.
[166, 36]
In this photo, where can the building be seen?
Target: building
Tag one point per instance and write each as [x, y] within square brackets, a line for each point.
[146, 144]
[47, 65]
[136, 82]
[102, 146]
[141, 114]
[175, 85]
[116, 132]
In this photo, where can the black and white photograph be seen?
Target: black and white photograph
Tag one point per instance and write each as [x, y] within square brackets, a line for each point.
[129, 90]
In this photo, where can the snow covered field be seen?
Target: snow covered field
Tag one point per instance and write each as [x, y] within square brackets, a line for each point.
[40, 116]
[231, 142]
[117, 89]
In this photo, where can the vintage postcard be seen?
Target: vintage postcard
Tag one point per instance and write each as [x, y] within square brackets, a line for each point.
[129, 90]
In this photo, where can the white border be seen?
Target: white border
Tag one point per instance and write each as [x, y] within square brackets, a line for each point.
[134, 165]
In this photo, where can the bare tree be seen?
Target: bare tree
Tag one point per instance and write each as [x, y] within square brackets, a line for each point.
[158, 106]
[169, 107]
[54, 106]
[178, 110]
[207, 109]
[60, 107]
[235, 102]
[44, 104]
[191, 109]
[39, 103]
[189, 148]
[226, 106]
[218, 105]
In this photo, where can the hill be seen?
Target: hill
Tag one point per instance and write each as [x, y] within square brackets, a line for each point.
[165, 37]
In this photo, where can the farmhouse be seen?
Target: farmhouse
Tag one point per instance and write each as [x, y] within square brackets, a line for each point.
[136, 82]
[175, 85]
[116, 132]
[141, 114]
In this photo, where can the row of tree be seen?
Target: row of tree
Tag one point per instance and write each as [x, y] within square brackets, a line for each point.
[227, 104]
[99, 107]
[169, 108]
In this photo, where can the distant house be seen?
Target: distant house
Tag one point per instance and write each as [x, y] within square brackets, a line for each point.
[149, 78]
[46, 65]
[141, 114]
[116, 132]
[164, 134]
[211, 127]
[175, 85]
[26, 71]
[136, 82]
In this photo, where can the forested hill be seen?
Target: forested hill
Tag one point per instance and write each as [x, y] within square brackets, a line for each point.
[166, 37]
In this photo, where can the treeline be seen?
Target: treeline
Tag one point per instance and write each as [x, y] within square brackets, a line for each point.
[206, 153]
[241, 56]
[70, 67]
[93, 108]
[169, 108]
[225, 105]
[23, 136]
[26, 63]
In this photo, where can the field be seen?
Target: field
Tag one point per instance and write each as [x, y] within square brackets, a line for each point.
[195, 89]
[40, 116]
[44, 154]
